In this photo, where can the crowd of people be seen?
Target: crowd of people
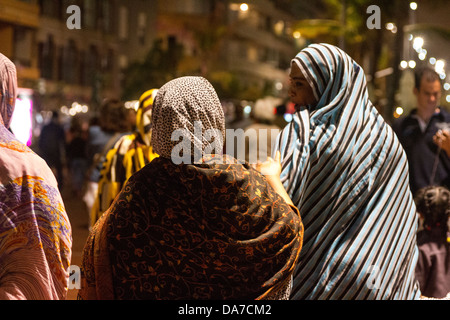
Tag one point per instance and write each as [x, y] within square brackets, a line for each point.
[345, 205]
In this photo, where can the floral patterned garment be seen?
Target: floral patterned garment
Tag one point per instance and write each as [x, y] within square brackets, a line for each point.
[214, 230]
[35, 233]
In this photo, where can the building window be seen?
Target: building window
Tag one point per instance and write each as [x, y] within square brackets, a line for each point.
[82, 68]
[252, 54]
[60, 64]
[23, 44]
[46, 58]
[50, 8]
[279, 28]
[91, 63]
[71, 62]
[123, 62]
[107, 16]
[123, 23]
[110, 56]
[90, 13]
[195, 7]
[142, 26]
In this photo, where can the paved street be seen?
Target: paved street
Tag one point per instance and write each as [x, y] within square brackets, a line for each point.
[79, 219]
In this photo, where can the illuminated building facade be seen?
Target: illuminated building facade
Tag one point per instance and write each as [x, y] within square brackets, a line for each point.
[85, 65]
[250, 41]
[19, 24]
[60, 66]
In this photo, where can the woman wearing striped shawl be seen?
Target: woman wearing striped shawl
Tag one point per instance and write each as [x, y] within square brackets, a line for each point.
[345, 170]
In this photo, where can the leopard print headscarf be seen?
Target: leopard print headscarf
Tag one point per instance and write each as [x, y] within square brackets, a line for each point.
[188, 120]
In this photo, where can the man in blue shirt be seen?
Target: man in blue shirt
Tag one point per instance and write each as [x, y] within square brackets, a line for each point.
[428, 164]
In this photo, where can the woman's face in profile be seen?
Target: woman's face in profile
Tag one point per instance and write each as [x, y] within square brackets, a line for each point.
[300, 92]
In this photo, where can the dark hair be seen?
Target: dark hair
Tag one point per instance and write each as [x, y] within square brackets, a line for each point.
[55, 114]
[434, 204]
[425, 73]
[113, 116]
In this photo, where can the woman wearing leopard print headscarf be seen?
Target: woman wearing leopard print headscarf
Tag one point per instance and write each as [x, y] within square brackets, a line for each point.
[193, 225]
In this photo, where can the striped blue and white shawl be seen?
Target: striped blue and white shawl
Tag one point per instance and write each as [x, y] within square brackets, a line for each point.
[345, 170]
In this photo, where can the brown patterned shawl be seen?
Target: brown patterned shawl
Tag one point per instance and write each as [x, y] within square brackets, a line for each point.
[200, 231]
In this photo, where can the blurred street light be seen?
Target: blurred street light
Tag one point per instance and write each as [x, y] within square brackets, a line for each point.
[439, 66]
[418, 43]
[244, 7]
[398, 112]
[423, 54]
[391, 27]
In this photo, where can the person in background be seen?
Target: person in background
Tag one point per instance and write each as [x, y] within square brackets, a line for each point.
[52, 147]
[188, 228]
[104, 132]
[35, 232]
[130, 154]
[428, 164]
[346, 172]
[433, 267]
[261, 134]
[76, 156]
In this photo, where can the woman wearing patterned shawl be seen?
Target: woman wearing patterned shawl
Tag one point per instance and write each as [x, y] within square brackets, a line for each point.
[35, 233]
[129, 154]
[345, 170]
[213, 229]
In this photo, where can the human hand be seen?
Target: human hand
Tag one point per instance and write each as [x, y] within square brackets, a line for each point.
[270, 167]
[442, 140]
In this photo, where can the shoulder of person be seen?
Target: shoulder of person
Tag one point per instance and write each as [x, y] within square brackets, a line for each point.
[445, 113]
[399, 123]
